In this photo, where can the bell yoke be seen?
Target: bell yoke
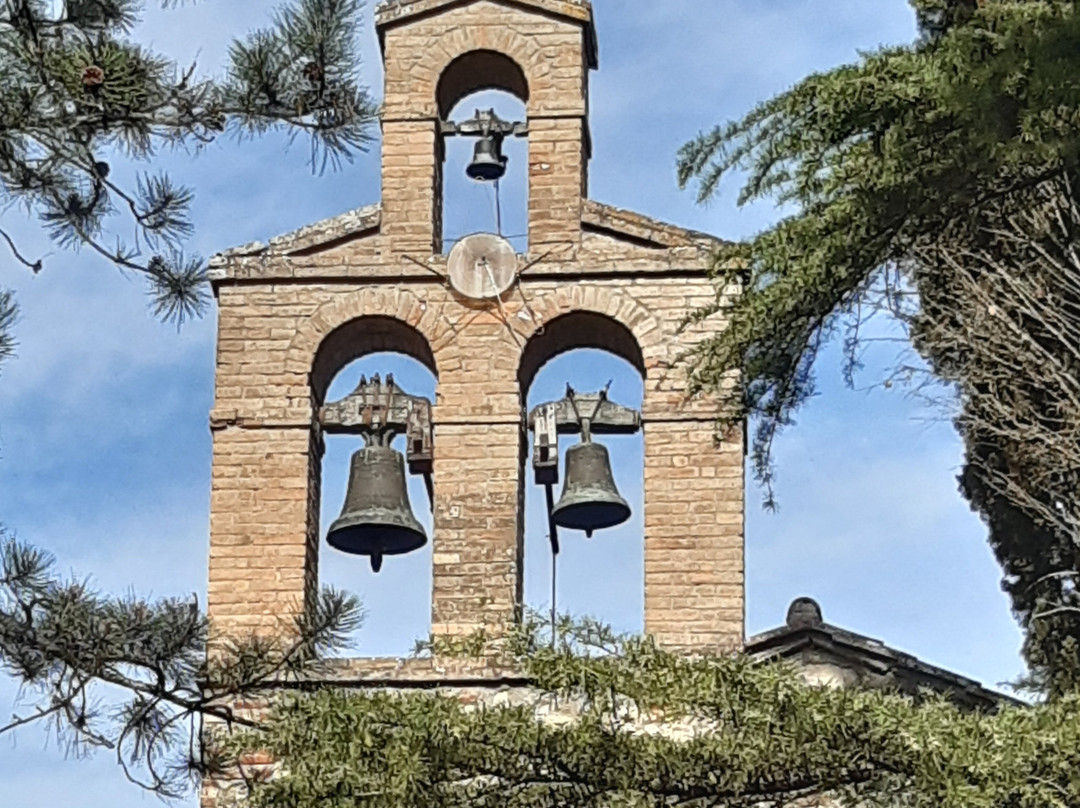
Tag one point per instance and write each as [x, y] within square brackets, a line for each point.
[488, 163]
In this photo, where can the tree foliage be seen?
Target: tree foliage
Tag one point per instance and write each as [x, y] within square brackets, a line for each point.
[78, 93]
[139, 677]
[600, 719]
[8, 313]
[617, 721]
[936, 182]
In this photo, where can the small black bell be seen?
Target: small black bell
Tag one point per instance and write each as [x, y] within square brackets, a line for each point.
[377, 519]
[590, 501]
[488, 163]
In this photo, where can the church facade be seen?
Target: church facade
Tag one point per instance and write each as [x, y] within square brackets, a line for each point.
[296, 310]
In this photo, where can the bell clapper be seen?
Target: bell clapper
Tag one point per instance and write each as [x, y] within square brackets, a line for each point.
[376, 562]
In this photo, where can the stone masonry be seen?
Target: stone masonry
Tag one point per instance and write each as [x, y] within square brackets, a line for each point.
[293, 312]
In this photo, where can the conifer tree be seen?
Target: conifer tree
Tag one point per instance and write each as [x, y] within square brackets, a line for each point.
[78, 93]
[139, 678]
[610, 720]
[937, 182]
[595, 719]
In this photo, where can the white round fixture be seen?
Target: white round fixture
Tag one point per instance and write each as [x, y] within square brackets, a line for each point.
[482, 266]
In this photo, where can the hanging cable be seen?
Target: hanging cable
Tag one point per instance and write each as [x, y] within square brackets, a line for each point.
[498, 209]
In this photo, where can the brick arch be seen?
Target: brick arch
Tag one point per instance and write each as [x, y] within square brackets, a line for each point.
[459, 42]
[479, 70]
[364, 322]
[590, 317]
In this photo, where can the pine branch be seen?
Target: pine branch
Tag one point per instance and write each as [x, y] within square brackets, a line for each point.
[74, 86]
[66, 643]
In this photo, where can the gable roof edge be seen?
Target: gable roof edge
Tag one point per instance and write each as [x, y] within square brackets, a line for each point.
[390, 13]
[801, 634]
[637, 227]
[354, 223]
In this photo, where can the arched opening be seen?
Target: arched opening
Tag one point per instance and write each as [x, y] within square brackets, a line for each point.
[579, 329]
[363, 336]
[396, 600]
[476, 71]
[479, 81]
[602, 576]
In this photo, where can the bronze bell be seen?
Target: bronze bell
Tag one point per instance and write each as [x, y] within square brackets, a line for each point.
[377, 519]
[589, 499]
[488, 163]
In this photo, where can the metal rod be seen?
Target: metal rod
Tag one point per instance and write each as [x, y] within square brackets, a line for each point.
[554, 592]
[426, 268]
[553, 540]
[498, 209]
[553, 529]
[430, 486]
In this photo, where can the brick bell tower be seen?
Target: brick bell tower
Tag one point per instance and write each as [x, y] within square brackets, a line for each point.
[296, 310]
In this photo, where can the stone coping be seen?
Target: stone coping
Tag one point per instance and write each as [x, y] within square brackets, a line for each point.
[390, 12]
[416, 673]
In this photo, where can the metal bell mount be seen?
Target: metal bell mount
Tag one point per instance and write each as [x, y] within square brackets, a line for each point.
[488, 163]
[590, 500]
[377, 519]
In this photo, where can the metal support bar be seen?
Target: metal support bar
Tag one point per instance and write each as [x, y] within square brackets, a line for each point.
[553, 529]
[545, 445]
[608, 418]
[379, 411]
[484, 123]
[429, 484]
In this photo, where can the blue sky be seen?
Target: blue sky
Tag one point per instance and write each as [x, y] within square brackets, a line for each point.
[105, 451]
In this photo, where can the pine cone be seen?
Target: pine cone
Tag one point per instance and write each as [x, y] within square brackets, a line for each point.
[313, 72]
[92, 78]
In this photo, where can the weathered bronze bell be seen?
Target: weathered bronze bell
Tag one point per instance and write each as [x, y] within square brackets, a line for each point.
[589, 499]
[488, 163]
[377, 519]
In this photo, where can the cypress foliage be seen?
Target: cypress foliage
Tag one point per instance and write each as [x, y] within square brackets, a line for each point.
[630, 725]
[606, 719]
[936, 182]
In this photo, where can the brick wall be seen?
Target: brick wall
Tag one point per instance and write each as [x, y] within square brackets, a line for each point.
[551, 53]
[266, 459]
[293, 312]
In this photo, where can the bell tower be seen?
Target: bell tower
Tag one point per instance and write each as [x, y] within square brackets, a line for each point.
[436, 54]
[296, 310]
